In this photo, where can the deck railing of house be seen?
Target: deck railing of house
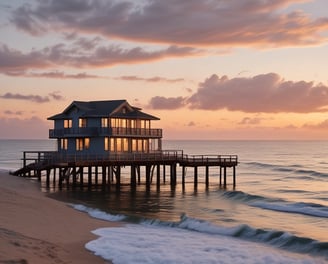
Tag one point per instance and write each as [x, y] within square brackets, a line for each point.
[54, 157]
[104, 131]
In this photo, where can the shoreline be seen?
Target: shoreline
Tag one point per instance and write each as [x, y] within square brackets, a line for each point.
[35, 228]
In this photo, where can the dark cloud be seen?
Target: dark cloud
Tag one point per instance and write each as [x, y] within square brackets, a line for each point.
[52, 74]
[9, 112]
[191, 124]
[33, 98]
[192, 22]
[250, 121]
[266, 93]
[12, 61]
[262, 93]
[151, 79]
[160, 102]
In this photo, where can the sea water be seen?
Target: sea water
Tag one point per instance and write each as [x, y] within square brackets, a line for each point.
[277, 213]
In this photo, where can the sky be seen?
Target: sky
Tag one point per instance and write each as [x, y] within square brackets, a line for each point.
[212, 69]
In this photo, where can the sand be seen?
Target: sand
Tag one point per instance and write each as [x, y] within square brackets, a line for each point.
[37, 229]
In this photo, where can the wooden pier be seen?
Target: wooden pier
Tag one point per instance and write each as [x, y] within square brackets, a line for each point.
[88, 170]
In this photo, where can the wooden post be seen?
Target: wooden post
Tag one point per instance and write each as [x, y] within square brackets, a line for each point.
[74, 176]
[81, 177]
[234, 176]
[207, 176]
[103, 171]
[89, 177]
[164, 173]
[225, 176]
[48, 178]
[220, 175]
[54, 179]
[148, 175]
[183, 175]
[158, 171]
[133, 176]
[60, 181]
[96, 175]
[24, 159]
[173, 174]
[109, 175]
[118, 175]
[195, 176]
[138, 171]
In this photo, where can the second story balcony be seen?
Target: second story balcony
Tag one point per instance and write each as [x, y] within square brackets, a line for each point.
[105, 131]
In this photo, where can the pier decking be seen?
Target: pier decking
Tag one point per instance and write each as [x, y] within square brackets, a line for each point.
[105, 170]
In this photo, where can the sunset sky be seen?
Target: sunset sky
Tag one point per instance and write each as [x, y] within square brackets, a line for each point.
[215, 69]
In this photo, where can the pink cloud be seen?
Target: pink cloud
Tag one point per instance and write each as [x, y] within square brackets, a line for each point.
[33, 98]
[14, 62]
[266, 93]
[151, 79]
[160, 102]
[262, 93]
[193, 22]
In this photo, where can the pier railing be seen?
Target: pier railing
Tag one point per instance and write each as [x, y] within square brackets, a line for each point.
[53, 157]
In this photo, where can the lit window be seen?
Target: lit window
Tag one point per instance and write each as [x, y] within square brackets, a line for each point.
[82, 122]
[112, 144]
[106, 143]
[64, 143]
[104, 122]
[67, 123]
[86, 143]
[82, 144]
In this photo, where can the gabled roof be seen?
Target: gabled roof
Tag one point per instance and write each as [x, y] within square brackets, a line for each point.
[110, 108]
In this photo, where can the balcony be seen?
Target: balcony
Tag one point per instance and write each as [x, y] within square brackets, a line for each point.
[104, 131]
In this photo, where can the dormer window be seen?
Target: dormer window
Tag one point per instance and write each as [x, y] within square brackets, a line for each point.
[82, 122]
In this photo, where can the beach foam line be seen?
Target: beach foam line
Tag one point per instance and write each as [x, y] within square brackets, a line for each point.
[146, 244]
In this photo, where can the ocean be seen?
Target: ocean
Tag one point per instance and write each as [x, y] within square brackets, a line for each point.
[277, 213]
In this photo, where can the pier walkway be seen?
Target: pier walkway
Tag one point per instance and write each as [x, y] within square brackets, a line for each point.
[89, 170]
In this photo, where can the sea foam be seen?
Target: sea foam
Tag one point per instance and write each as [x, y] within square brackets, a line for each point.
[158, 244]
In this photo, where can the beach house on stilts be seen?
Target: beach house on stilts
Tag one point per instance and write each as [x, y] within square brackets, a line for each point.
[103, 127]
[96, 139]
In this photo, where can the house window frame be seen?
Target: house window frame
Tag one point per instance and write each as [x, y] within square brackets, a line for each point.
[82, 144]
[68, 123]
[104, 122]
[64, 144]
[82, 122]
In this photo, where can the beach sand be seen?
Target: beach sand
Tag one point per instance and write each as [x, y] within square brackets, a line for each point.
[37, 229]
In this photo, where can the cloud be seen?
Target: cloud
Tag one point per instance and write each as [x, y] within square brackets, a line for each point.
[264, 93]
[33, 98]
[151, 79]
[191, 124]
[321, 125]
[191, 23]
[250, 121]
[13, 61]
[52, 74]
[160, 102]
[9, 112]
[267, 93]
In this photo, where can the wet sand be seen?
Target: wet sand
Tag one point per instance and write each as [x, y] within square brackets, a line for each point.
[37, 229]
